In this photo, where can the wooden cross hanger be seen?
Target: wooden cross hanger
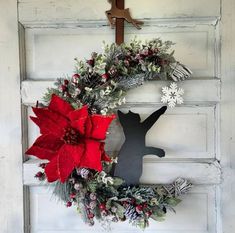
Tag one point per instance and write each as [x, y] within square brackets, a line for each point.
[116, 16]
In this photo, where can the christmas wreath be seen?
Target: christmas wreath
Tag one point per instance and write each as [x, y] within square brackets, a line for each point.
[74, 118]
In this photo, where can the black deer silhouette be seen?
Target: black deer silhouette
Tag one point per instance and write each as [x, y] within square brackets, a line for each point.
[130, 158]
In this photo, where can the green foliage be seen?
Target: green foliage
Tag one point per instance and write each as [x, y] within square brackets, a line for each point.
[133, 203]
[121, 201]
[117, 181]
[49, 93]
[120, 210]
[150, 55]
[92, 186]
[173, 201]
[101, 82]
[62, 190]
[142, 223]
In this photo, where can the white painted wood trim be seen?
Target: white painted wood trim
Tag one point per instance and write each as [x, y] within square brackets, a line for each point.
[157, 22]
[161, 172]
[196, 91]
[227, 114]
[11, 186]
[184, 34]
[53, 10]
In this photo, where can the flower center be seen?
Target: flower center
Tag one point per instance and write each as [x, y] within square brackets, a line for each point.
[172, 95]
[71, 136]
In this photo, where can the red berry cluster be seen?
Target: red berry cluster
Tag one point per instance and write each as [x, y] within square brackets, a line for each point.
[41, 175]
[141, 208]
[64, 88]
[75, 78]
[69, 204]
[104, 77]
[91, 62]
[90, 207]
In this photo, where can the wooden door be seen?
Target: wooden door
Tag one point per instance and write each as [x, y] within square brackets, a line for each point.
[197, 136]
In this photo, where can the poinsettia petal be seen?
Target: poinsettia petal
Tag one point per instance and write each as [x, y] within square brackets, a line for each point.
[53, 116]
[92, 155]
[43, 127]
[49, 121]
[78, 119]
[104, 156]
[78, 113]
[45, 147]
[68, 158]
[100, 125]
[35, 120]
[79, 150]
[51, 170]
[88, 127]
[59, 105]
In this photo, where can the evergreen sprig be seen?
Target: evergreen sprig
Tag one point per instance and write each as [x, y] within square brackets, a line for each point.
[104, 197]
[102, 81]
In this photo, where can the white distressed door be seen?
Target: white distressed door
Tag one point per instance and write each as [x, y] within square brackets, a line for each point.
[197, 135]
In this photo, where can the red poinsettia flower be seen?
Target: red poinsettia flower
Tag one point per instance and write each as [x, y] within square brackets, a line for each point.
[69, 138]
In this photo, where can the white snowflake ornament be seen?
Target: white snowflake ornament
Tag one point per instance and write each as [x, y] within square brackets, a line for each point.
[172, 95]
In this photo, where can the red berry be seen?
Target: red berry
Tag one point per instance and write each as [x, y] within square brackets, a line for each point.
[91, 215]
[76, 76]
[69, 203]
[150, 52]
[125, 203]
[42, 165]
[39, 175]
[64, 88]
[105, 76]
[91, 62]
[149, 213]
[102, 206]
[132, 201]
[72, 195]
[139, 208]
[66, 82]
[145, 205]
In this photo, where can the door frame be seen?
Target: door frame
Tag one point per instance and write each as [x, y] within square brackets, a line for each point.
[11, 172]
[11, 158]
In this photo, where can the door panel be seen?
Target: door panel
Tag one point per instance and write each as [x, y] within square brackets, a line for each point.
[195, 214]
[184, 132]
[50, 51]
